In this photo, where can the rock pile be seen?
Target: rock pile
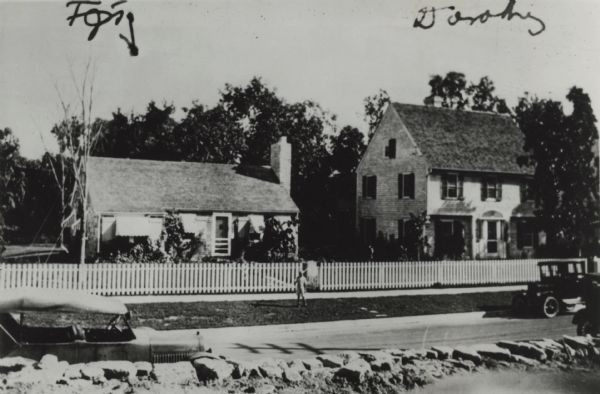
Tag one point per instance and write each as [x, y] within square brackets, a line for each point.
[386, 371]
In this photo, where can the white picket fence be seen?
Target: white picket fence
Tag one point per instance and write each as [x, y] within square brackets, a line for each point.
[419, 274]
[140, 279]
[207, 278]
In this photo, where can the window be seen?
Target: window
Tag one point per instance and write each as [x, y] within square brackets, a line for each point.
[527, 191]
[390, 149]
[406, 185]
[491, 188]
[369, 187]
[525, 235]
[452, 186]
[368, 228]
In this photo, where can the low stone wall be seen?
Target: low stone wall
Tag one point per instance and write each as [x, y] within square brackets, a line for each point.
[384, 371]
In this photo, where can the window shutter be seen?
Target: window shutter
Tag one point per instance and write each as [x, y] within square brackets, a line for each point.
[364, 187]
[499, 190]
[400, 186]
[504, 228]
[386, 151]
[483, 190]
[522, 191]
[374, 187]
[410, 185]
[479, 229]
[461, 181]
[444, 185]
[392, 148]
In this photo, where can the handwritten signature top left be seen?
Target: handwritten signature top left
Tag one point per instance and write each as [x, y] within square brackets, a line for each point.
[95, 18]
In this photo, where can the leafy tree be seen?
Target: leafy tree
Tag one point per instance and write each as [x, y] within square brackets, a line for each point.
[12, 180]
[146, 136]
[279, 238]
[374, 106]
[560, 147]
[209, 135]
[482, 97]
[454, 92]
[265, 118]
[451, 90]
[347, 149]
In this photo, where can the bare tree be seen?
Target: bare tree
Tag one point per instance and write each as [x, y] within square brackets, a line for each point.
[76, 135]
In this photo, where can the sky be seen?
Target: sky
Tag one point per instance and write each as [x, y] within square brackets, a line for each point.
[335, 52]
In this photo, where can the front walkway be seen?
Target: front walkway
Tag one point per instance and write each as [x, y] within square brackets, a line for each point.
[143, 299]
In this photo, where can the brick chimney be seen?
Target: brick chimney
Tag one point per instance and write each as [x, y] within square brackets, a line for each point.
[281, 161]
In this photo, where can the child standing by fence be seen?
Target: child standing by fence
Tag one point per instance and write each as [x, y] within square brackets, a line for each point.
[300, 288]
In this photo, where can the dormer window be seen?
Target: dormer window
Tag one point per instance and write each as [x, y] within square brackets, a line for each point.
[390, 149]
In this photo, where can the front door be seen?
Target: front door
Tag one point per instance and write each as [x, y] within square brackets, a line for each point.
[221, 235]
[493, 237]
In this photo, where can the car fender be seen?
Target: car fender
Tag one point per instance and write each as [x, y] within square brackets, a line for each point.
[580, 316]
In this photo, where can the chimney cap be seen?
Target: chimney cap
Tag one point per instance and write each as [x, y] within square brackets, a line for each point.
[283, 138]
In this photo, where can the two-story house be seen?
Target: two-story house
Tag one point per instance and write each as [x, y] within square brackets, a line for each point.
[460, 168]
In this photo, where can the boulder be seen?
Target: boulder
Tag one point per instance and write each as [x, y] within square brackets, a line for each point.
[212, 369]
[179, 373]
[577, 343]
[93, 373]
[330, 361]
[550, 347]
[14, 364]
[493, 351]
[443, 352]
[524, 349]
[144, 369]
[348, 356]
[47, 361]
[379, 361]
[74, 371]
[291, 375]
[297, 365]
[120, 370]
[354, 371]
[524, 360]
[270, 369]
[467, 365]
[312, 364]
[467, 353]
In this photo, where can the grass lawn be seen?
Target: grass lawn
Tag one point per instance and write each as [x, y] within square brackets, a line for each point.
[180, 315]
[170, 316]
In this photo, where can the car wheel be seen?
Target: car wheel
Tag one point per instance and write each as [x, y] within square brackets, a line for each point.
[519, 305]
[550, 307]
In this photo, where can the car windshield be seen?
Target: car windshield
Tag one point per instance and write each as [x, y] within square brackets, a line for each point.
[53, 327]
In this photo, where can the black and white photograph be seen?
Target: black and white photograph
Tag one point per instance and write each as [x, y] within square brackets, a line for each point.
[299, 196]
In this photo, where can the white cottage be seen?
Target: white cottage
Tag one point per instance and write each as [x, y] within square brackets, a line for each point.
[224, 203]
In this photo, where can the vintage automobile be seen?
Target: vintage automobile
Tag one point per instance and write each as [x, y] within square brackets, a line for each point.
[558, 290]
[587, 319]
[115, 340]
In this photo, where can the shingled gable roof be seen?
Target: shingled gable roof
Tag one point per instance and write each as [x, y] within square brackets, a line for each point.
[464, 140]
[128, 185]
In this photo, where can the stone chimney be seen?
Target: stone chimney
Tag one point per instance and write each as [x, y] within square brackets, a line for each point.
[281, 162]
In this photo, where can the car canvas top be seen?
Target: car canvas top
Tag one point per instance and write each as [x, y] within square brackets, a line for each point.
[27, 299]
